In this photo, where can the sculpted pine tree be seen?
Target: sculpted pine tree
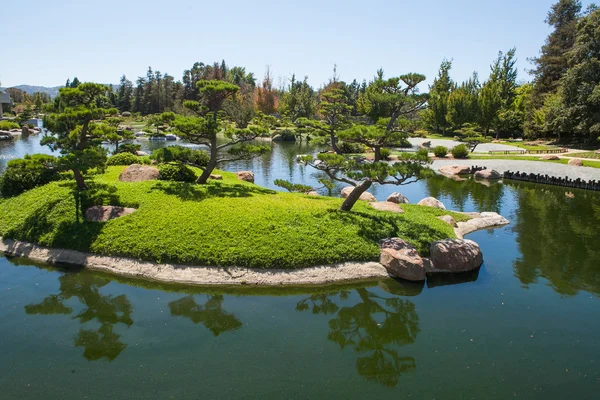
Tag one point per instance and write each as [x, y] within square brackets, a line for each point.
[411, 168]
[387, 103]
[333, 111]
[205, 126]
[75, 131]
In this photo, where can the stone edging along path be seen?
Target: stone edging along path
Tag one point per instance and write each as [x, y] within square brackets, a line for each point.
[204, 275]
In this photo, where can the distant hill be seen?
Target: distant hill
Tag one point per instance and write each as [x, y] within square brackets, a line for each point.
[52, 91]
[29, 89]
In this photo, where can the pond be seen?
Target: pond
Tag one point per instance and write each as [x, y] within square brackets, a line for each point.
[526, 324]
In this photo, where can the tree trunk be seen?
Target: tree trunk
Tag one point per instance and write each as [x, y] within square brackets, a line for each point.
[212, 163]
[334, 145]
[81, 185]
[355, 195]
[377, 150]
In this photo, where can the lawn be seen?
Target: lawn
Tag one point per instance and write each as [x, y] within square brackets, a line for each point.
[587, 154]
[525, 146]
[586, 163]
[224, 223]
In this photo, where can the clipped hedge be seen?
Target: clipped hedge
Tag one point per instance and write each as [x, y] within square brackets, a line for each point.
[124, 159]
[175, 171]
[440, 151]
[460, 151]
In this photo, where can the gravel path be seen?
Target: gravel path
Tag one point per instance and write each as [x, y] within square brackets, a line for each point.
[536, 167]
[482, 148]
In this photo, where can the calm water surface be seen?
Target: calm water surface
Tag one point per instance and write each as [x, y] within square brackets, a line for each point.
[526, 325]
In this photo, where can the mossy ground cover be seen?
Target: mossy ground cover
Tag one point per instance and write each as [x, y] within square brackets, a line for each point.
[224, 223]
[587, 154]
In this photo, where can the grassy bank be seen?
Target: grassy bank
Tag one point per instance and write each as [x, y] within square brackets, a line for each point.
[586, 163]
[223, 223]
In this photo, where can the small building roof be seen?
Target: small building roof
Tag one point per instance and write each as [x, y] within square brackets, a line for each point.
[5, 98]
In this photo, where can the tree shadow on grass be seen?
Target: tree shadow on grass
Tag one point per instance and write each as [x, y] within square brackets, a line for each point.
[192, 192]
[376, 227]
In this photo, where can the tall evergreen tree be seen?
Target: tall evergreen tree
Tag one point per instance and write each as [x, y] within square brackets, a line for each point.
[439, 93]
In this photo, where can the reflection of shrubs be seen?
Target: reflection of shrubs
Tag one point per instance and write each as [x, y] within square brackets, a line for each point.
[8, 125]
[26, 173]
[385, 153]
[180, 154]
[175, 171]
[460, 151]
[440, 151]
[123, 159]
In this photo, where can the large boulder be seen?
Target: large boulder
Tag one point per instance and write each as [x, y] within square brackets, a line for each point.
[138, 173]
[216, 177]
[478, 221]
[105, 213]
[247, 176]
[401, 260]
[577, 162]
[397, 198]
[488, 174]
[141, 153]
[432, 202]
[449, 220]
[313, 193]
[365, 196]
[455, 170]
[386, 206]
[550, 157]
[455, 255]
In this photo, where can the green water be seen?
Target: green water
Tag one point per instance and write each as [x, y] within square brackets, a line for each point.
[525, 325]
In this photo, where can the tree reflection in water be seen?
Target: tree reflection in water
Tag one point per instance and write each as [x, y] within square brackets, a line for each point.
[107, 310]
[375, 327]
[211, 314]
[485, 195]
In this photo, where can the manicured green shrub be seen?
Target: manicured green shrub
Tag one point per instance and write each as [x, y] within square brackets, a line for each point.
[460, 151]
[176, 171]
[129, 148]
[8, 125]
[124, 159]
[440, 151]
[351, 148]
[181, 154]
[23, 174]
[385, 153]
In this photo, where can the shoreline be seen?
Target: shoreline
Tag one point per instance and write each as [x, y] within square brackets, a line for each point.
[222, 276]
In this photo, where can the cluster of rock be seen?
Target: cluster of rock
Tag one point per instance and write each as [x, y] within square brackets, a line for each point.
[402, 260]
[454, 170]
[106, 213]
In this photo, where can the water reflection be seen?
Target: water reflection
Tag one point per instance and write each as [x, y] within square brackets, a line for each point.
[107, 310]
[374, 328]
[558, 238]
[210, 314]
[485, 195]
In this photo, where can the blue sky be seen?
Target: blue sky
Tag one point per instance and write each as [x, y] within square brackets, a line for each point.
[46, 42]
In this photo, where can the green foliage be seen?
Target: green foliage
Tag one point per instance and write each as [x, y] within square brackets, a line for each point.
[440, 151]
[385, 153]
[351, 148]
[375, 137]
[292, 187]
[198, 158]
[130, 148]
[439, 94]
[211, 224]
[27, 173]
[8, 125]
[123, 159]
[299, 101]
[176, 171]
[460, 151]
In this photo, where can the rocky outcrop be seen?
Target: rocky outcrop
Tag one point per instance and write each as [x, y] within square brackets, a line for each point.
[138, 173]
[366, 196]
[106, 213]
[576, 162]
[478, 221]
[386, 206]
[401, 260]
[455, 255]
[489, 174]
[141, 153]
[432, 202]
[397, 198]
[449, 220]
[550, 157]
[455, 170]
[247, 176]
